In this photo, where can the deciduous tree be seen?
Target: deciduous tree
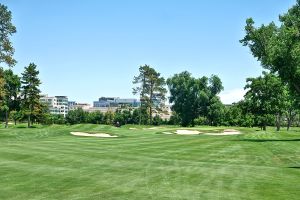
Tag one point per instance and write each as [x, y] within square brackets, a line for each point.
[278, 47]
[12, 90]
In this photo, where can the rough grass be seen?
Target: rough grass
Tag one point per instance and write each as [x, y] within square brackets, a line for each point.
[49, 163]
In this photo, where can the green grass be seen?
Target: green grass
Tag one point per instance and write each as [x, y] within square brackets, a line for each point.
[49, 163]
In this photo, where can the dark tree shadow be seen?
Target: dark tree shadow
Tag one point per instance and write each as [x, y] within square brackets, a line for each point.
[268, 140]
[294, 167]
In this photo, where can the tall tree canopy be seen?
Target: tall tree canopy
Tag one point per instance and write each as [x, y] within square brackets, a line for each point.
[278, 47]
[6, 30]
[6, 48]
[151, 88]
[30, 92]
[266, 98]
[193, 97]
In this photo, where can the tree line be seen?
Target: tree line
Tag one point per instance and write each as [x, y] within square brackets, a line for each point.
[272, 99]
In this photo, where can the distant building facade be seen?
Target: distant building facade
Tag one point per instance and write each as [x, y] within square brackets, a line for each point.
[58, 105]
[116, 102]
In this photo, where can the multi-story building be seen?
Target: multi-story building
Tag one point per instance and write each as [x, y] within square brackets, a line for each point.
[58, 105]
[116, 102]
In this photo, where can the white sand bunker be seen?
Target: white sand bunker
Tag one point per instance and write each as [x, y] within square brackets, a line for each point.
[93, 134]
[226, 132]
[132, 128]
[168, 133]
[187, 132]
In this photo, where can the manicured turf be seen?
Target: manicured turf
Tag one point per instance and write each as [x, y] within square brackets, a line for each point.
[49, 163]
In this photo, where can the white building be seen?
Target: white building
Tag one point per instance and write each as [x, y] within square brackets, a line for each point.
[58, 105]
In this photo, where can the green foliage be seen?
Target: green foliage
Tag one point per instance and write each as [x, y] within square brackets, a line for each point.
[193, 97]
[151, 88]
[266, 97]
[174, 119]
[76, 116]
[12, 91]
[16, 116]
[278, 47]
[2, 89]
[157, 120]
[7, 29]
[30, 92]
[199, 121]
[95, 117]
[216, 111]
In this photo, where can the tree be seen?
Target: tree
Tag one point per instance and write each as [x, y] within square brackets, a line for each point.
[41, 113]
[95, 117]
[12, 89]
[109, 118]
[151, 88]
[184, 96]
[193, 98]
[2, 90]
[30, 91]
[15, 116]
[216, 111]
[277, 47]
[215, 108]
[6, 30]
[266, 97]
[292, 106]
[76, 116]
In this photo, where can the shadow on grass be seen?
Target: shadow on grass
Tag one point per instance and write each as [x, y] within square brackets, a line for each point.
[294, 167]
[269, 140]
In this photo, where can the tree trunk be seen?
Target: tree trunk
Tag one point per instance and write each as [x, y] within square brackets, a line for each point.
[151, 96]
[6, 119]
[289, 124]
[29, 122]
[264, 127]
[290, 119]
[140, 117]
[278, 116]
[150, 111]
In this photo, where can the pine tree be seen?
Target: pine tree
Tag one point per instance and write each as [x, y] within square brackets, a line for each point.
[30, 91]
[151, 89]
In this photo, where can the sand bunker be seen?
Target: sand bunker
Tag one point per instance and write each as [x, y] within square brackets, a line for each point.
[167, 133]
[187, 132]
[92, 134]
[226, 132]
[132, 128]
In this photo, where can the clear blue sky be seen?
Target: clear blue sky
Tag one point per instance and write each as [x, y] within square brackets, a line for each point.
[87, 49]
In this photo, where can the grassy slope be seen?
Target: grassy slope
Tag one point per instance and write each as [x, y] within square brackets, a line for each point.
[48, 163]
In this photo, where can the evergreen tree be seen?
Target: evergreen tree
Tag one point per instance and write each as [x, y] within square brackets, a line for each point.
[151, 89]
[30, 92]
[6, 30]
